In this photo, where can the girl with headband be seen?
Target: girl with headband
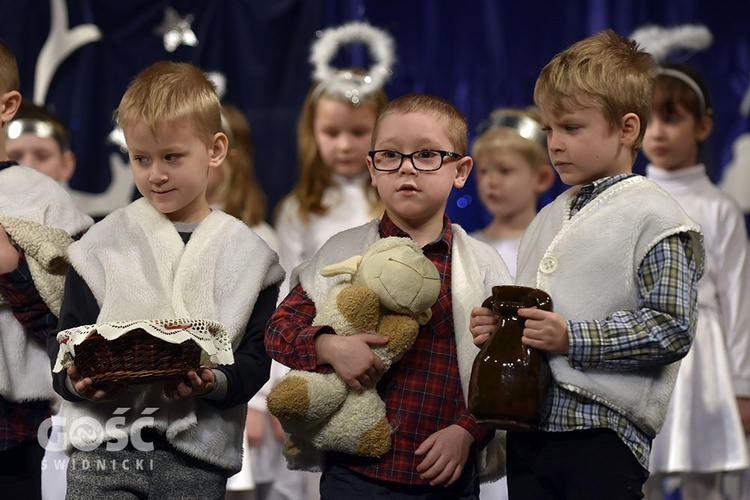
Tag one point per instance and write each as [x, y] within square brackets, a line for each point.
[703, 437]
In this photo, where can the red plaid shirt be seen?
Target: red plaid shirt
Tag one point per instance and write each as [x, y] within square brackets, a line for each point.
[20, 421]
[422, 392]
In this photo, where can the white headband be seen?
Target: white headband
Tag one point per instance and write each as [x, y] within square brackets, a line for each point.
[674, 73]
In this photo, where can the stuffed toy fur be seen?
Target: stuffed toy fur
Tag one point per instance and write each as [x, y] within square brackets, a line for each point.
[390, 292]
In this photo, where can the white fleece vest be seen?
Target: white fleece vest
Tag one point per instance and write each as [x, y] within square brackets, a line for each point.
[475, 268]
[137, 267]
[588, 264]
[29, 195]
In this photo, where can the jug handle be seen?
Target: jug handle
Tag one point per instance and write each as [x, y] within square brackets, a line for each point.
[540, 299]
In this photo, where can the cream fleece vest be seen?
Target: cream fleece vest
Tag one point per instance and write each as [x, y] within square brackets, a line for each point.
[28, 195]
[475, 268]
[588, 264]
[137, 267]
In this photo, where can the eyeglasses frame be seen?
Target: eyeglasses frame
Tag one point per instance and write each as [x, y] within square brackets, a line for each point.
[443, 154]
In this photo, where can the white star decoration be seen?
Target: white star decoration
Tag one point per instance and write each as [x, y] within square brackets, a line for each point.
[176, 30]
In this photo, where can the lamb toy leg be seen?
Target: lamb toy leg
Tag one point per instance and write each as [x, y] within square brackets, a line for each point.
[302, 400]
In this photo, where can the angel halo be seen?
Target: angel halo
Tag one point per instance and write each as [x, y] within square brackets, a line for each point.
[345, 82]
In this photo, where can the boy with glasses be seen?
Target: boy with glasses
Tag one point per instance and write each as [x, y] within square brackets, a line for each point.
[436, 441]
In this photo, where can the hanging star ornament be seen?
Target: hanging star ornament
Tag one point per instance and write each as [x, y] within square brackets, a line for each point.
[176, 30]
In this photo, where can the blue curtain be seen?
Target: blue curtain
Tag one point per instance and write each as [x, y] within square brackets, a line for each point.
[479, 54]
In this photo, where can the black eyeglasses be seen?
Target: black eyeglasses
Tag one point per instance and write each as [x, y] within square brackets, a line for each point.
[425, 160]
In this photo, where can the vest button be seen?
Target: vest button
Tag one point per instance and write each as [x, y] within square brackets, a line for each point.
[548, 265]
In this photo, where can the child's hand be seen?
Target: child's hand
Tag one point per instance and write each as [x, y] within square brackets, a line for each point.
[445, 454]
[482, 324]
[545, 330]
[193, 383]
[8, 253]
[255, 427]
[352, 358]
[99, 392]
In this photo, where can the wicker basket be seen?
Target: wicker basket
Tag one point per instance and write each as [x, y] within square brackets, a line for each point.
[134, 358]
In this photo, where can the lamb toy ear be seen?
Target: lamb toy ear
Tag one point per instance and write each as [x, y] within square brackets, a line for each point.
[349, 266]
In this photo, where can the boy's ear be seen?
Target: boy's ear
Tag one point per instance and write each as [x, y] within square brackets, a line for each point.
[463, 169]
[545, 178]
[219, 149]
[9, 103]
[69, 165]
[372, 171]
[631, 127]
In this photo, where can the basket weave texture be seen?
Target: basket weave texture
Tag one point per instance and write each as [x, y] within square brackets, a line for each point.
[135, 357]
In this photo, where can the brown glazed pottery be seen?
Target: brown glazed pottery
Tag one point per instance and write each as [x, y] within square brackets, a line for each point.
[509, 381]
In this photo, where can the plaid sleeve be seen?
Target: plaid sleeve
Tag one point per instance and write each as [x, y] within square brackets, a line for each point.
[290, 338]
[27, 305]
[662, 327]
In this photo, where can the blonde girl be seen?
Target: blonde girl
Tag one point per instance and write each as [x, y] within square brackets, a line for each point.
[334, 191]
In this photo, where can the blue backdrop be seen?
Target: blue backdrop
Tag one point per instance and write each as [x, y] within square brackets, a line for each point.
[480, 54]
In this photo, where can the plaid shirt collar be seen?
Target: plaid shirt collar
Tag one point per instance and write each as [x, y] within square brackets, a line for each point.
[590, 191]
[389, 228]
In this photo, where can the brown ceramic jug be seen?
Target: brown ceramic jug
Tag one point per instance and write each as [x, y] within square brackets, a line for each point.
[509, 380]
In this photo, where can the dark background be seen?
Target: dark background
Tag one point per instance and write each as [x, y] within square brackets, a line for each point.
[479, 54]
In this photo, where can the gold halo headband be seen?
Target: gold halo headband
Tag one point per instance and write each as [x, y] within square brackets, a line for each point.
[524, 126]
[39, 128]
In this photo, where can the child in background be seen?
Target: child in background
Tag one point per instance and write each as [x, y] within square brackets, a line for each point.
[38, 219]
[438, 448]
[234, 187]
[703, 437]
[212, 267]
[513, 171]
[38, 139]
[621, 261]
[334, 191]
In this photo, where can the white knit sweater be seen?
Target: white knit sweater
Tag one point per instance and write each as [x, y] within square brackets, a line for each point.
[588, 264]
[137, 267]
[30, 196]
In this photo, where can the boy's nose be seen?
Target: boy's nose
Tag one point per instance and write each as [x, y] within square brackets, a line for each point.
[553, 143]
[157, 174]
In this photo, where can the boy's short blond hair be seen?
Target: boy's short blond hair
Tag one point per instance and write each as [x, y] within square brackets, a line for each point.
[8, 70]
[170, 92]
[606, 71]
[453, 120]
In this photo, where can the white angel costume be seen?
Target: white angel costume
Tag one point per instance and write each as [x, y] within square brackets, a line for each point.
[703, 432]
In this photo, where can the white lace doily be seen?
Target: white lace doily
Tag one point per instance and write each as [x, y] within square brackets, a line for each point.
[211, 336]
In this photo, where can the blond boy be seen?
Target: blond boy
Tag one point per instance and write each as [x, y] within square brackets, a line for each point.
[419, 146]
[164, 256]
[513, 171]
[621, 261]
